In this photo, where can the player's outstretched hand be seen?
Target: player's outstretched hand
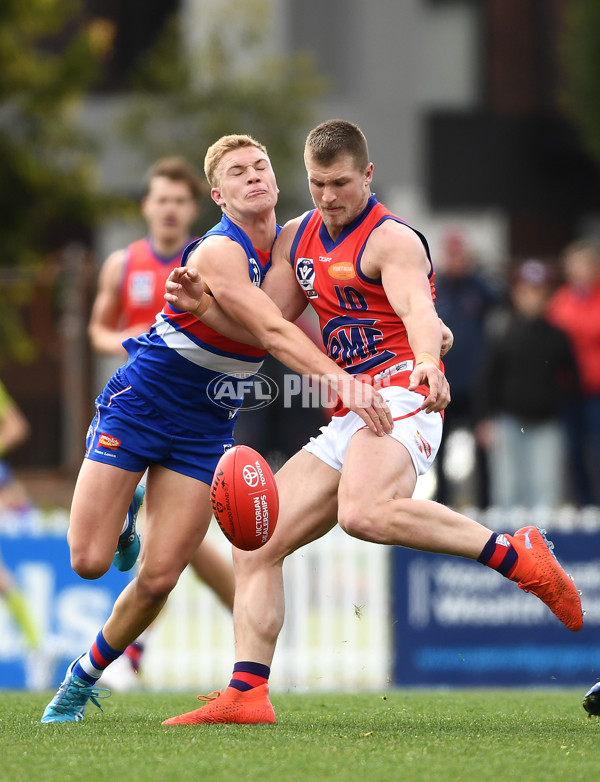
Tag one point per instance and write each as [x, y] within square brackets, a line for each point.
[184, 289]
[366, 402]
[429, 375]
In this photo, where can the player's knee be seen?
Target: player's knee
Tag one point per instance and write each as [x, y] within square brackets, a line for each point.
[357, 520]
[246, 563]
[88, 564]
[155, 588]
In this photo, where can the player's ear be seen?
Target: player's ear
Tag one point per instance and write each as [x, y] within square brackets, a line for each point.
[217, 197]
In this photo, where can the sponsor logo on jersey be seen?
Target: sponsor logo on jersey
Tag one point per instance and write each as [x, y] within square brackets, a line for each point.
[344, 270]
[108, 441]
[324, 258]
[352, 340]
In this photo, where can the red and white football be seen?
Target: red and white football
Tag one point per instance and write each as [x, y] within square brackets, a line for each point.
[244, 498]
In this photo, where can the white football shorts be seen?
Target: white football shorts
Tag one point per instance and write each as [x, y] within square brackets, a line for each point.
[419, 432]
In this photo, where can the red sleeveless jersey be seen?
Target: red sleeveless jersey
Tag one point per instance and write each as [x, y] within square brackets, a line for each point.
[143, 284]
[361, 331]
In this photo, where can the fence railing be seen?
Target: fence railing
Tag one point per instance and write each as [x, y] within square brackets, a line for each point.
[336, 633]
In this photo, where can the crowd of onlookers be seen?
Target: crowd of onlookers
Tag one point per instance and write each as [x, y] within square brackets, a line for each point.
[524, 374]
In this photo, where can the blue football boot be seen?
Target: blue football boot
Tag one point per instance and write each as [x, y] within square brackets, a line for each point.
[128, 547]
[68, 705]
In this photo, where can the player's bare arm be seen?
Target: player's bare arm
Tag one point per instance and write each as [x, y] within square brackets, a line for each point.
[224, 270]
[103, 331]
[185, 290]
[280, 283]
[395, 253]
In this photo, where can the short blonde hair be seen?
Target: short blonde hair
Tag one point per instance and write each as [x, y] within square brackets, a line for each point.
[226, 144]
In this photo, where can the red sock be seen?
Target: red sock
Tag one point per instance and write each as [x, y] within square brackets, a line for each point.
[499, 554]
[247, 675]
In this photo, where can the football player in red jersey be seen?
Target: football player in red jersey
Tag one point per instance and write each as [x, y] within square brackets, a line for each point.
[369, 277]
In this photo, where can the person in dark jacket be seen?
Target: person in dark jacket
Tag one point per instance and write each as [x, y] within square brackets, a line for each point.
[528, 376]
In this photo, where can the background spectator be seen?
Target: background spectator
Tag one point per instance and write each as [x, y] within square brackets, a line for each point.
[464, 300]
[575, 308]
[528, 375]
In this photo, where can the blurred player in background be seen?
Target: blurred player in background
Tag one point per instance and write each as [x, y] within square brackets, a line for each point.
[369, 277]
[157, 413]
[131, 288]
[14, 430]
[575, 308]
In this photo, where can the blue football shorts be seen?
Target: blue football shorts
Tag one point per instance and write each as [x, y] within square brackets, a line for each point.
[129, 433]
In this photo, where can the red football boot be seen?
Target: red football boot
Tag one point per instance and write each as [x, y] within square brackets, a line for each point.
[538, 571]
[251, 707]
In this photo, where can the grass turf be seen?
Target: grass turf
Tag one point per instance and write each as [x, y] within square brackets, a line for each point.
[408, 735]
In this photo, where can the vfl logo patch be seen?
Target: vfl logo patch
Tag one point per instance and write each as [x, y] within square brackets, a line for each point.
[342, 271]
[254, 269]
[141, 287]
[107, 441]
[305, 274]
[422, 444]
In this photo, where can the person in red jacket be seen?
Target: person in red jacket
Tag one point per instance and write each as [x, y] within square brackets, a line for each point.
[575, 308]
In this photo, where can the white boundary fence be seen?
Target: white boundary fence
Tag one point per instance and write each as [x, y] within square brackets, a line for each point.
[336, 636]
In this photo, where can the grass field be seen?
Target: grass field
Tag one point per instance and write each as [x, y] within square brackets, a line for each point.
[526, 735]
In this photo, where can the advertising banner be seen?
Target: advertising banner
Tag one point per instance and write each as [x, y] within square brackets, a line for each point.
[67, 610]
[459, 623]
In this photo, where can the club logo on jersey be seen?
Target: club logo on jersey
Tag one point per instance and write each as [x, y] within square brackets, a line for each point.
[255, 272]
[108, 441]
[305, 274]
[352, 341]
[343, 270]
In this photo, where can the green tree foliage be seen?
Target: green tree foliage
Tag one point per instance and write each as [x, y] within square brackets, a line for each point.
[46, 162]
[48, 57]
[581, 58]
[186, 99]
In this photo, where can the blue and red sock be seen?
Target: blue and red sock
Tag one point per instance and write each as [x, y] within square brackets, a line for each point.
[247, 675]
[91, 666]
[499, 554]
[134, 653]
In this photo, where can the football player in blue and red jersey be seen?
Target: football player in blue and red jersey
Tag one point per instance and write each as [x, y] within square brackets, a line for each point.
[130, 294]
